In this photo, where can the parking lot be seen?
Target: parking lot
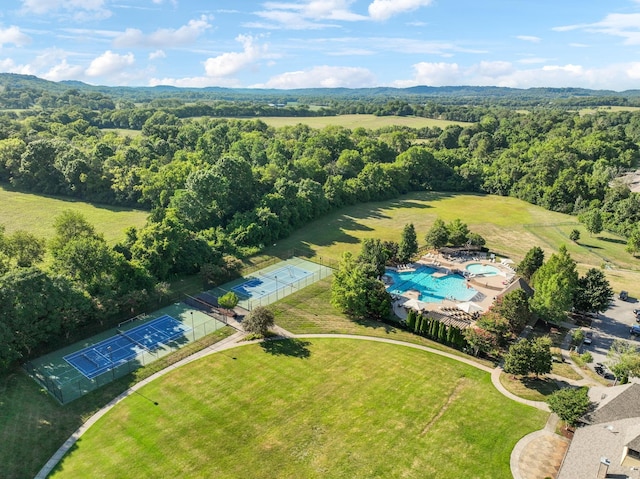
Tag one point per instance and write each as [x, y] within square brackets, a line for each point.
[612, 324]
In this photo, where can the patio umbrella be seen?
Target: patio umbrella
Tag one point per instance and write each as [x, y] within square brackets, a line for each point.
[470, 307]
[414, 304]
[506, 261]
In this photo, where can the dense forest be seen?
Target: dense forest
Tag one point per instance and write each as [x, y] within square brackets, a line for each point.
[219, 189]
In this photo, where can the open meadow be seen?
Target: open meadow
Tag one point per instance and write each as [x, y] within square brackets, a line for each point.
[510, 226]
[352, 122]
[286, 409]
[35, 214]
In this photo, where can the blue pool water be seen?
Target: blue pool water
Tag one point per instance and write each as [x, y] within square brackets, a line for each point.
[432, 290]
[483, 269]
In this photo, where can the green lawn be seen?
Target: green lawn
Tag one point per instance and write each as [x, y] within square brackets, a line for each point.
[33, 425]
[35, 213]
[330, 408]
[309, 311]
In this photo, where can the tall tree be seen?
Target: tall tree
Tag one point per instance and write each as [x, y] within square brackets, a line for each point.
[374, 253]
[70, 225]
[356, 292]
[517, 361]
[541, 359]
[408, 243]
[623, 359]
[592, 220]
[514, 307]
[258, 321]
[570, 404]
[458, 232]
[555, 283]
[593, 293]
[633, 242]
[530, 263]
[438, 234]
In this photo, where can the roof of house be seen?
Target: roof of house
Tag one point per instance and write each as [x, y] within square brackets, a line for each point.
[611, 426]
[624, 405]
[518, 283]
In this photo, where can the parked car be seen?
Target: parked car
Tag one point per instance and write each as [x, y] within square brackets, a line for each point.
[588, 337]
[635, 330]
[601, 370]
[624, 295]
[637, 313]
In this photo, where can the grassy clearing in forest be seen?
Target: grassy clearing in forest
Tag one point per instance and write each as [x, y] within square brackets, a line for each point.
[510, 226]
[352, 122]
[35, 213]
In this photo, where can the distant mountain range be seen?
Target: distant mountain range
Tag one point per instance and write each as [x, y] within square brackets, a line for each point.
[16, 81]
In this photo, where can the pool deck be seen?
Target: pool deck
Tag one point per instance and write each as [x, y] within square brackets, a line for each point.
[488, 287]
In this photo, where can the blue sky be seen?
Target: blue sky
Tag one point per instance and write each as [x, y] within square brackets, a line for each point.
[325, 43]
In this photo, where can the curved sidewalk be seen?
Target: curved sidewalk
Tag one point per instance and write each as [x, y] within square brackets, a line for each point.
[232, 342]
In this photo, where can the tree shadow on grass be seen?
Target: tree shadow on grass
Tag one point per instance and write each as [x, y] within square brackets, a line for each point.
[542, 385]
[612, 240]
[287, 347]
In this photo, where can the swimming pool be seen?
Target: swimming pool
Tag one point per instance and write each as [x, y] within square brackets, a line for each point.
[483, 269]
[432, 289]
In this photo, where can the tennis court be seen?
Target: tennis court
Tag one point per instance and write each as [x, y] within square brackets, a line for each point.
[79, 368]
[117, 350]
[261, 283]
[274, 281]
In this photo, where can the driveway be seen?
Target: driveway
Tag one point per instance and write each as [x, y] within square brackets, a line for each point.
[614, 323]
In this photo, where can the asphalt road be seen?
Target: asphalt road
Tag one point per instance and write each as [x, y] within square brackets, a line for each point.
[614, 323]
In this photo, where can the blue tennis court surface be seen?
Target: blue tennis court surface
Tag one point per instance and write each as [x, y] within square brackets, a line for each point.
[116, 350]
[263, 284]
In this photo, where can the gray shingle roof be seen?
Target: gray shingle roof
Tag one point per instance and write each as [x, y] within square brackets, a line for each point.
[626, 405]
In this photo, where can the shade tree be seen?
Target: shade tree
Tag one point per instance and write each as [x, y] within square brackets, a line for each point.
[570, 404]
[408, 245]
[530, 263]
[593, 293]
[259, 320]
[555, 284]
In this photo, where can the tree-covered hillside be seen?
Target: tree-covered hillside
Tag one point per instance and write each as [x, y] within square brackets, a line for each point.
[220, 189]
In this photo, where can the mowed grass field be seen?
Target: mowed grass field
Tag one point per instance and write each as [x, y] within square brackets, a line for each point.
[321, 408]
[36, 213]
[510, 226]
[352, 122]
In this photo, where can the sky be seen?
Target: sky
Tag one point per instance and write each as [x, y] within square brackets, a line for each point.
[325, 43]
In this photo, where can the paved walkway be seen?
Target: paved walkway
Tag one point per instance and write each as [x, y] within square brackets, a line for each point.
[534, 454]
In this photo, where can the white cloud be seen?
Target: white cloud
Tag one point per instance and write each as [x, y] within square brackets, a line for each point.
[433, 74]
[624, 75]
[10, 66]
[528, 38]
[305, 15]
[578, 45]
[63, 71]
[624, 25]
[80, 10]
[164, 37]
[385, 9]
[323, 77]
[109, 64]
[13, 35]
[230, 63]
[157, 54]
